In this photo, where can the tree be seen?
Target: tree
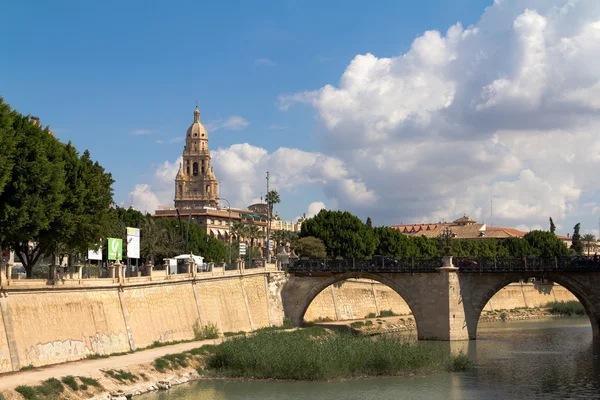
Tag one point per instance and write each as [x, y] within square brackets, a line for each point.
[517, 247]
[552, 226]
[545, 244]
[369, 223]
[342, 233]
[252, 233]
[33, 195]
[205, 245]
[7, 143]
[390, 242]
[590, 242]
[272, 198]
[576, 244]
[310, 247]
[238, 229]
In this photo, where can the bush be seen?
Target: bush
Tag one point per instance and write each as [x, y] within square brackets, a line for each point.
[503, 316]
[90, 382]
[357, 324]
[121, 375]
[84, 387]
[210, 331]
[387, 313]
[27, 392]
[70, 382]
[572, 307]
[371, 315]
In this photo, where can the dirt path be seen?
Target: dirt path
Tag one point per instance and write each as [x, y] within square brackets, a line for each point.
[92, 367]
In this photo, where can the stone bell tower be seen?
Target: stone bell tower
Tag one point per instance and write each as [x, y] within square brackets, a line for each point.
[196, 185]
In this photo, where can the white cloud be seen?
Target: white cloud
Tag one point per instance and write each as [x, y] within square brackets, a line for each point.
[233, 123]
[141, 131]
[506, 109]
[314, 208]
[177, 139]
[266, 62]
[160, 141]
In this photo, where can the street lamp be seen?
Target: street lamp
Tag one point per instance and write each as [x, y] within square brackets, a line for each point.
[229, 228]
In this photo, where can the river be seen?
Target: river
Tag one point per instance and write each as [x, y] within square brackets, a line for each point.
[536, 359]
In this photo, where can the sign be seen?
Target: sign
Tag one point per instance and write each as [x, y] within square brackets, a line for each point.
[133, 243]
[242, 249]
[115, 249]
[95, 254]
[270, 245]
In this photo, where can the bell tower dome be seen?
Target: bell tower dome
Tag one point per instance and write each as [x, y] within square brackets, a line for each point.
[196, 185]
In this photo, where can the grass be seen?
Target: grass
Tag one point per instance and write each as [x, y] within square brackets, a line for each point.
[27, 368]
[316, 354]
[171, 361]
[572, 307]
[357, 324]
[90, 382]
[49, 389]
[121, 375]
[70, 382]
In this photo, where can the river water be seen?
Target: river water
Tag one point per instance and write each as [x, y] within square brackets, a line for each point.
[537, 359]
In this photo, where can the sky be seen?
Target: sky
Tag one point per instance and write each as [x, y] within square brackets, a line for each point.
[405, 112]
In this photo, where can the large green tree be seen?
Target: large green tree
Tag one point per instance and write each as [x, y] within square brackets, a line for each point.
[576, 243]
[7, 143]
[552, 226]
[545, 244]
[33, 196]
[342, 233]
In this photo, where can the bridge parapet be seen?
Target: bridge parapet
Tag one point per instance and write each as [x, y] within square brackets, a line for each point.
[464, 264]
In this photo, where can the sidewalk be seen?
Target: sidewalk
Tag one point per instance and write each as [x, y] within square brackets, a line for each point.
[93, 367]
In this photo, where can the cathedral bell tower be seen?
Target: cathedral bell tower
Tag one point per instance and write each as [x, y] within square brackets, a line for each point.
[196, 185]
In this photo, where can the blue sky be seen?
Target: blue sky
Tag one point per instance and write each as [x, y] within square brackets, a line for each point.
[122, 79]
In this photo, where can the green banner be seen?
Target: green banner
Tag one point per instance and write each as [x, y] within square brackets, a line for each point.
[115, 249]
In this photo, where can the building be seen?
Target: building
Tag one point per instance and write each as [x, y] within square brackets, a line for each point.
[196, 185]
[197, 194]
[461, 228]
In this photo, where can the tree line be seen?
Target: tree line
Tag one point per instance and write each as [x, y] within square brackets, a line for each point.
[340, 234]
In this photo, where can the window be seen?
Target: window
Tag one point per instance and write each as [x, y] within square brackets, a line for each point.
[180, 190]
[207, 189]
[195, 168]
[187, 167]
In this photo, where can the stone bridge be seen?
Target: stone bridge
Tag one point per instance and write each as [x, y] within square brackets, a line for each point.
[446, 298]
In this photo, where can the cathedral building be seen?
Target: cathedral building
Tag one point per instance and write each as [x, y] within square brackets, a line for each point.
[196, 185]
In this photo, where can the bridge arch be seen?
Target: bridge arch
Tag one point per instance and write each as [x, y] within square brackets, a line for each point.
[300, 291]
[478, 289]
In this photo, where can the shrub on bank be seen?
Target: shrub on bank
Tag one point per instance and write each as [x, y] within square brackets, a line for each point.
[572, 307]
[314, 354]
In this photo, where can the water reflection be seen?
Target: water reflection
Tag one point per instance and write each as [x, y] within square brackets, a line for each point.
[549, 359]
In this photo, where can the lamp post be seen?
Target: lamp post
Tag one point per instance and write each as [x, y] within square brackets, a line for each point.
[229, 226]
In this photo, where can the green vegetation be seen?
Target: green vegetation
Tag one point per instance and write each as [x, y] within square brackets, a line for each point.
[315, 354]
[70, 382]
[90, 382]
[121, 375]
[49, 389]
[371, 315]
[572, 307]
[27, 368]
[210, 331]
[310, 247]
[357, 324]
[387, 313]
[576, 243]
[171, 361]
[2, 397]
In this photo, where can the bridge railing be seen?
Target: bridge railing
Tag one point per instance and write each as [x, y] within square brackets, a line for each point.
[404, 265]
[380, 264]
[529, 264]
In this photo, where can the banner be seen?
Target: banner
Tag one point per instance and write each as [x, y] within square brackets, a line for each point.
[95, 254]
[115, 249]
[242, 249]
[133, 243]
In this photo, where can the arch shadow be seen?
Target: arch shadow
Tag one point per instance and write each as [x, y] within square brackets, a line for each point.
[478, 289]
[300, 291]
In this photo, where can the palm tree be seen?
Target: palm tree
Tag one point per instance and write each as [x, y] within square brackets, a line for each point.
[239, 230]
[253, 233]
[590, 241]
[278, 236]
[272, 198]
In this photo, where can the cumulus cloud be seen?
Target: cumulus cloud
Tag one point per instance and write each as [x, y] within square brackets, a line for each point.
[506, 109]
[266, 62]
[233, 123]
[314, 208]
